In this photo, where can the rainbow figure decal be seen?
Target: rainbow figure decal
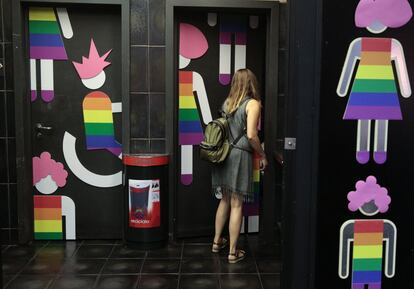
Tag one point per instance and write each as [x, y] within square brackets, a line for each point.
[98, 120]
[46, 45]
[48, 176]
[368, 237]
[97, 105]
[232, 25]
[193, 44]
[98, 112]
[374, 94]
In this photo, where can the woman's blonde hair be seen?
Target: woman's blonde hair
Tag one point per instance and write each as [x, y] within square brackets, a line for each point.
[244, 83]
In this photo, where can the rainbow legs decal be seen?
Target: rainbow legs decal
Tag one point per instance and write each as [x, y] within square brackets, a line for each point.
[232, 25]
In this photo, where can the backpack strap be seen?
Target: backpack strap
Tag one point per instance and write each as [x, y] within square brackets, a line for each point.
[239, 137]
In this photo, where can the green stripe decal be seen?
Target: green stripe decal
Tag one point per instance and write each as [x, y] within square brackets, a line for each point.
[367, 265]
[188, 114]
[48, 236]
[374, 85]
[92, 128]
[43, 27]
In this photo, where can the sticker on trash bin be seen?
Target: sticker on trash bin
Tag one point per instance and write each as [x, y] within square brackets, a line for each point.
[144, 203]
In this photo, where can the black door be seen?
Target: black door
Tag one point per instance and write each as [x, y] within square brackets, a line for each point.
[74, 61]
[211, 45]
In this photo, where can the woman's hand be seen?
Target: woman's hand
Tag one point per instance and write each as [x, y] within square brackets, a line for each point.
[263, 163]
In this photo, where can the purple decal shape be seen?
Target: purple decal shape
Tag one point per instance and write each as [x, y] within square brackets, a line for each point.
[47, 95]
[224, 78]
[55, 53]
[186, 179]
[362, 157]
[367, 191]
[387, 13]
[191, 138]
[380, 157]
[373, 112]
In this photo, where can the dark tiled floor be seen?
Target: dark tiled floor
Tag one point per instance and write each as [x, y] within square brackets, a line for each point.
[107, 264]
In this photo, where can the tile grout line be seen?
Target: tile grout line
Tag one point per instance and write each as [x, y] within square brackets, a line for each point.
[140, 270]
[257, 271]
[179, 267]
[98, 278]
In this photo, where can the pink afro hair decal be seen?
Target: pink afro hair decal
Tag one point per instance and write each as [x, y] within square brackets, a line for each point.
[45, 166]
[390, 13]
[193, 43]
[366, 192]
[92, 66]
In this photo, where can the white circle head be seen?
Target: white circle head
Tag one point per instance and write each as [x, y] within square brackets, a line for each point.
[95, 82]
[46, 185]
[377, 27]
[369, 209]
[183, 62]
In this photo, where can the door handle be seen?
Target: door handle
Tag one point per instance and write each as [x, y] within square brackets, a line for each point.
[40, 127]
[43, 129]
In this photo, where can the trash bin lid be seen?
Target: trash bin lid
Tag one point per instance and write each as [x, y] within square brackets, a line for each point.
[145, 160]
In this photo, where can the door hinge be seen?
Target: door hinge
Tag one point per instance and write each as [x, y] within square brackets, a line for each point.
[290, 143]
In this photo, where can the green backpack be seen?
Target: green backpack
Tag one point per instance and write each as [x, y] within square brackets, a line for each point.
[216, 145]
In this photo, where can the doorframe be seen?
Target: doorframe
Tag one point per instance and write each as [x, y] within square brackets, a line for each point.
[22, 104]
[271, 84]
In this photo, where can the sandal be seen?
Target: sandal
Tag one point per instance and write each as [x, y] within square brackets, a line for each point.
[238, 256]
[218, 246]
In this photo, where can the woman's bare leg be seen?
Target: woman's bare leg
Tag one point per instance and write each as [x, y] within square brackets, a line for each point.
[236, 206]
[221, 217]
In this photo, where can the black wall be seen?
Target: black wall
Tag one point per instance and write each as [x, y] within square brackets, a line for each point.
[339, 170]
[8, 195]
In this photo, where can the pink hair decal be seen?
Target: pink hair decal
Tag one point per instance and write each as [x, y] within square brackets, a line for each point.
[366, 192]
[92, 66]
[193, 43]
[390, 13]
[45, 166]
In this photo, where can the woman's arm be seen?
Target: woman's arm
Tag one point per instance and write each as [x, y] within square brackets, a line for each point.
[253, 114]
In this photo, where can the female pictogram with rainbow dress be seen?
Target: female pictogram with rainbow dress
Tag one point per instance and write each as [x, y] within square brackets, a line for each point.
[46, 45]
[193, 44]
[374, 94]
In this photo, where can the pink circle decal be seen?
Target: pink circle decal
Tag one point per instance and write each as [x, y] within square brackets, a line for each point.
[368, 191]
[45, 166]
[193, 43]
[390, 13]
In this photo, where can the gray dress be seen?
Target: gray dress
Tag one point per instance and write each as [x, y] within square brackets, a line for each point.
[235, 174]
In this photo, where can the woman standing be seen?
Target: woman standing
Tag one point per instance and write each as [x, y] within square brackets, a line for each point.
[234, 178]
